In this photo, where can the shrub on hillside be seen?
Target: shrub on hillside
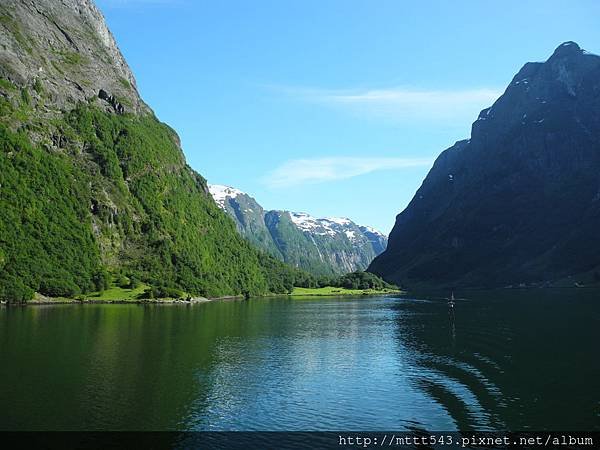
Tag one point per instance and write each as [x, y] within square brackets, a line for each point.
[161, 292]
[54, 287]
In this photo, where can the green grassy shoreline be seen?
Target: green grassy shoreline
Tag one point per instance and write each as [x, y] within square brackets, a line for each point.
[330, 291]
[116, 295]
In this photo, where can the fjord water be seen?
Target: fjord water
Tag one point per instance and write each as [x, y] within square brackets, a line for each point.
[508, 360]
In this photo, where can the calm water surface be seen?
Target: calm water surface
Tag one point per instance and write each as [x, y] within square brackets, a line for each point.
[517, 361]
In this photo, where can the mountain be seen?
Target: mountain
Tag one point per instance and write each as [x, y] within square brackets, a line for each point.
[321, 246]
[92, 186]
[519, 202]
[377, 239]
[248, 215]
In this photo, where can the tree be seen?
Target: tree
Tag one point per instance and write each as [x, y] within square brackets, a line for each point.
[12, 290]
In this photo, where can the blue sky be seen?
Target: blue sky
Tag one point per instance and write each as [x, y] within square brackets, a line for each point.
[332, 107]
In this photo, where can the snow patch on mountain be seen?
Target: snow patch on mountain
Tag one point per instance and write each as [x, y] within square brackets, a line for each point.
[332, 226]
[364, 228]
[220, 193]
[304, 221]
[338, 220]
[307, 223]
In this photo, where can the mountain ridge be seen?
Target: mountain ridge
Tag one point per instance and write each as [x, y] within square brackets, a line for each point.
[322, 246]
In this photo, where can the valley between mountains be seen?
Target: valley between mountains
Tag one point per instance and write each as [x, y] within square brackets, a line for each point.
[98, 201]
[327, 246]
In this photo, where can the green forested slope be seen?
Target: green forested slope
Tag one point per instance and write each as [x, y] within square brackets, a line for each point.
[102, 193]
[46, 240]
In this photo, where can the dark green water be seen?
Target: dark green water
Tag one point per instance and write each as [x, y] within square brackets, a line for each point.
[516, 361]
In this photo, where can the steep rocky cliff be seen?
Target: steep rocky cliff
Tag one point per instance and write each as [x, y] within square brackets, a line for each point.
[65, 46]
[519, 202]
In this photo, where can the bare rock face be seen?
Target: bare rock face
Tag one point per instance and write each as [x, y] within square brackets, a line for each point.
[66, 47]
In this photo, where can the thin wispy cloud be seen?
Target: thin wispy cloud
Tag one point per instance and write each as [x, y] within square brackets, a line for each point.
[401, 103]
[319, 170]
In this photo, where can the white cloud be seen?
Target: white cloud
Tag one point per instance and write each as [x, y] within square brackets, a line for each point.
[318, 170]
[402, 104]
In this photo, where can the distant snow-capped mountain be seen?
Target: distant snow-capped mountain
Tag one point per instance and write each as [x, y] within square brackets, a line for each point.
[323, 246]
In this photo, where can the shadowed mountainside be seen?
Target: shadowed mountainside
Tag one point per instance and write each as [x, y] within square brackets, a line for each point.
[519, 202]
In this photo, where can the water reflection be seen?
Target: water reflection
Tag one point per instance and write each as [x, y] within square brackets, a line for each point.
[507, 360]
[519, 361]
